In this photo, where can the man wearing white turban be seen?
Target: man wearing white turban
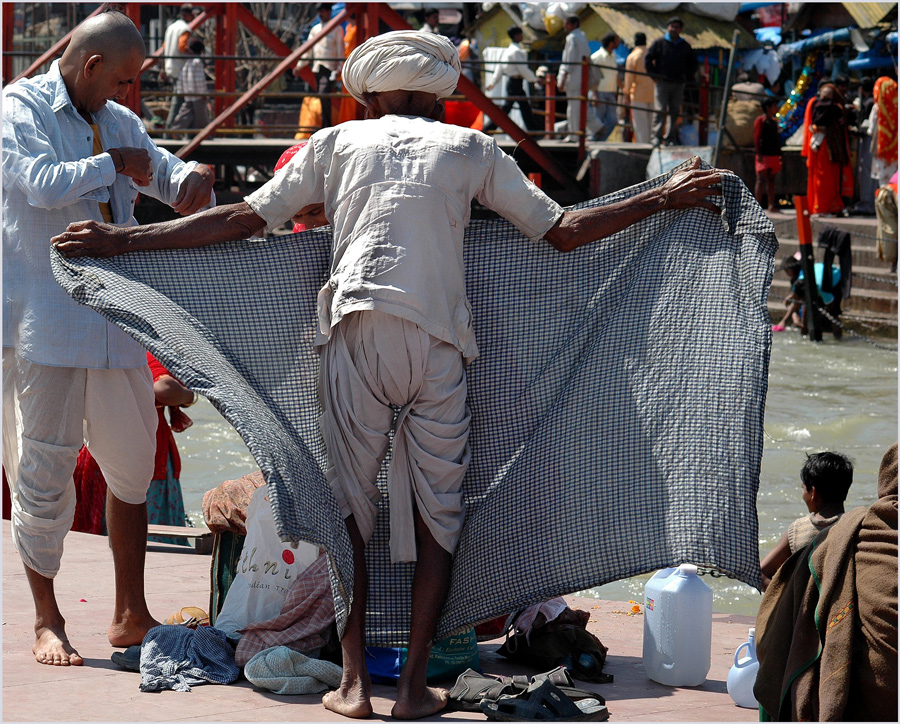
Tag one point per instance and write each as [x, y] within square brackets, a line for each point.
[395, 323]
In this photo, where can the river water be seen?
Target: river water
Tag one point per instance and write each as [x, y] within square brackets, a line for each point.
[829, 396]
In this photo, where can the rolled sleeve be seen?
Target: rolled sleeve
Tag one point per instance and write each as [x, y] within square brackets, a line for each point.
[510, 193]
[169, 172]
[296, 185]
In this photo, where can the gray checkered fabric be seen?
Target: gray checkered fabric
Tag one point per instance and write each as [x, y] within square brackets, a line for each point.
[617, 406]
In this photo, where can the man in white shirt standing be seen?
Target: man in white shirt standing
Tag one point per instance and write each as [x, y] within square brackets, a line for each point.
[607, 89]
[327, 60]
[176, 53]
[514, 65]
[68, 154]
[569, 81]
[192, 83]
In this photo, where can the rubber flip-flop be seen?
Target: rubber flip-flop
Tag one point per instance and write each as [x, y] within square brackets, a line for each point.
[129, 659]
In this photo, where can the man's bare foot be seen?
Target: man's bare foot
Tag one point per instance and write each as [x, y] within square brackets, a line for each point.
[130, 631]
[431, 702]
[353, 700]
[52, 647]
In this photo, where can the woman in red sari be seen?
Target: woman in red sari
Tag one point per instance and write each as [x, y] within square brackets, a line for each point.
[826, 145]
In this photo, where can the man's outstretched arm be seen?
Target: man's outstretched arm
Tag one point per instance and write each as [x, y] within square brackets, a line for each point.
[214, 226]
[690, 188]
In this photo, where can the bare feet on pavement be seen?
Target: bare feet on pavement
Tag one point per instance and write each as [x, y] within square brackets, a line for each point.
[431, 702]
[52, 647]
[352, 699]
[130, 631]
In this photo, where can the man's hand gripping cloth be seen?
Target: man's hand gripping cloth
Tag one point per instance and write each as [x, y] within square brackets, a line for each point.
[617, 405]
[402, 60]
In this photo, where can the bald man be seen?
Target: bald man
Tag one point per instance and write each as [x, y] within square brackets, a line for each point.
[71, 152]
[395, 323]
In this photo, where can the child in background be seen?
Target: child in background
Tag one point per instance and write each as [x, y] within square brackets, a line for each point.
[796, 300]
[192, 82]
[767, 141]
[825, 479]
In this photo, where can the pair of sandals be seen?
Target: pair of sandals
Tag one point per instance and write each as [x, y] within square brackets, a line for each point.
[551, 696]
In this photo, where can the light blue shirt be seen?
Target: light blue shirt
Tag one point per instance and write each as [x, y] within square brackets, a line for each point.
[52, 178]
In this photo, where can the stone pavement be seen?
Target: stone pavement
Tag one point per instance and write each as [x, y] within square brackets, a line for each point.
[100, 691]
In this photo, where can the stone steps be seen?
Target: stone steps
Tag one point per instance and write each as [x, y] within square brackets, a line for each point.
[873, 300]
[861, 300]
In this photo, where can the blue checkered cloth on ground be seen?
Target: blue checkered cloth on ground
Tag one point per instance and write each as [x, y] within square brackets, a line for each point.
[617, 406]
[177, 657]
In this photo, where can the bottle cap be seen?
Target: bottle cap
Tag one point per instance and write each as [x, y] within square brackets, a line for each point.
[688, 569]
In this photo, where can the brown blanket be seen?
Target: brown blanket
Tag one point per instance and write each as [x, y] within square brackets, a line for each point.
[826, 630]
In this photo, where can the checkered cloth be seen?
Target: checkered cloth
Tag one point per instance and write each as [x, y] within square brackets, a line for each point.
[176, 657]
[617, 406]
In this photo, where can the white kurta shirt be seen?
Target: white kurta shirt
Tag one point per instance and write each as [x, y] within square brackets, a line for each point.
[610, 70]
[398, 192]
[513, 64]
[328, 52]
[175, 59]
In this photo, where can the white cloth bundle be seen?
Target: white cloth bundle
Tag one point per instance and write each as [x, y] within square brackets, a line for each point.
[402, 60]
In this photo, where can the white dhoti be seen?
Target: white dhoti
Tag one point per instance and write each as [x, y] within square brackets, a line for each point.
[47, 414]
[374, 364]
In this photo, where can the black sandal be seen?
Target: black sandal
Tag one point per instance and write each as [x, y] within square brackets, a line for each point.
[544, 701]
[471, 688]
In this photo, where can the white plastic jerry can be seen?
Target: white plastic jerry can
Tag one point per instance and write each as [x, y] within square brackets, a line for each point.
[742, 676]
[677, 627]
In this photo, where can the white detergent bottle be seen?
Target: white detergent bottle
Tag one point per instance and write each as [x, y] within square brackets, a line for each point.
[677, 627]
[742, 676]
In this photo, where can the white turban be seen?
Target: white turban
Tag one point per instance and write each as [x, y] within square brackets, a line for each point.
[402, 60]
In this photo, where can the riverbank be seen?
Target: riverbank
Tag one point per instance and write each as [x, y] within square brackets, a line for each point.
[100, 691]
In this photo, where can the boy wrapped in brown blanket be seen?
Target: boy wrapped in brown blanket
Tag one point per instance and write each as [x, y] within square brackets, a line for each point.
[827, 626]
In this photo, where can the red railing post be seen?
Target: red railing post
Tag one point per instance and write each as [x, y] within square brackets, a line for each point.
[9, 19]
[226, 44]
[550, 104]
[133, 98]
[703, 134]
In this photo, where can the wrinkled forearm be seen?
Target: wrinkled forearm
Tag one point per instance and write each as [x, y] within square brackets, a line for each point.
[580, 227]
[213, 226]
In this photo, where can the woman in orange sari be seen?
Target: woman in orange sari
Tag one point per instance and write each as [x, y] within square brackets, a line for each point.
[883, 127]
[826, 145]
